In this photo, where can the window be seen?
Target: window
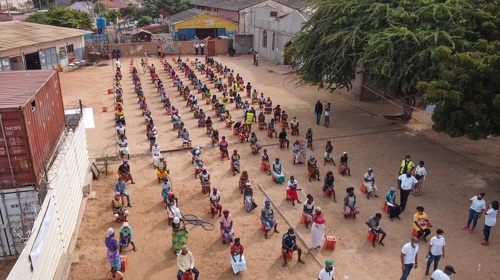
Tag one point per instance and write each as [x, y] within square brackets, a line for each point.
[264, 39]
[209, 9]
[70, 48]
[33, 105]
[274, 40]
[4, 64]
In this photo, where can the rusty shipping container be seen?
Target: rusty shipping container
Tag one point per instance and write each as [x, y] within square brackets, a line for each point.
[31, 122]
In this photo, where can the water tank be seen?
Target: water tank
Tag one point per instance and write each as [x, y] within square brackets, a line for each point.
[101, 23]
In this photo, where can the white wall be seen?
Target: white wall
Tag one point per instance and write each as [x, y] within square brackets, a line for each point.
[246, 15]
[66, 179]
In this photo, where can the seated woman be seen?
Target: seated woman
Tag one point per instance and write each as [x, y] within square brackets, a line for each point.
[201, 118]
[160, 174]
[120, 115]
[238, 262]
[228, 119]
[119, 211]
[243, 180]
[123, 147]
[312, 168]
[186, 140]
[351, 208]
[226, 227]
[253, 143]
[223, 146]
[300, 151]
[271, 130]
[344, 167]
[238, 101]
[224, 99]
[214, 136]
[390, 201]
[180, 235]
[214, 99]
[262, 121]
[243, 133]
[284, 119]
[155, 153]
[277, 171]
[265, 164]
[208, 124]
[205, 181]
[328, 187]
[222, 112]
[294, 125]
[291, 190]
[328, 153]
[235, 162]
[268, 106]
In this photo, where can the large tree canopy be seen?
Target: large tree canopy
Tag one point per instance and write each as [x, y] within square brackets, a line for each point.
[394, 42]
[63, 17]
[152, 8]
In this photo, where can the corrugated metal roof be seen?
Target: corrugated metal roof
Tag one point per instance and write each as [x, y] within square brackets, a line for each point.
[17, 34]
[184, 15]
[19, 87]
[230, 5]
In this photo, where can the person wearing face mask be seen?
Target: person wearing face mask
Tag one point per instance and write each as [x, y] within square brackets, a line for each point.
[490, 219]
[405, 185]
[289, 244]
[435, 251]
[409, 257]
[477, 207]
[390, 201]
[327, 272]
[407, 165]
[267, 218]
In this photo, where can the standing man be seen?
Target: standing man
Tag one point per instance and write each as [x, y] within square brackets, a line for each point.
[443, 275]
[327, 272]
[256, 58]
[117, 64]
[121, 187]
[196, 47]
[405, 185]
[289, 244]
[407, 165]
[319, 110]
[185, 262]
[158, 49]
[436, 251]
[327, 114]
[202, 47]
[409, 257]
[373, 224]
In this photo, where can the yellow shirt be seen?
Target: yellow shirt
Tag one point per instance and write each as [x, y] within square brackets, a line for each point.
[249, 119]
[421, 219]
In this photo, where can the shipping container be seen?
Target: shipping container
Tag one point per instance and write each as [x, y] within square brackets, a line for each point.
[31, 124]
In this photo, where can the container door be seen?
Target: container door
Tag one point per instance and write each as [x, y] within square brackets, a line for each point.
[48, 58]
[211, 48]
[17, 217]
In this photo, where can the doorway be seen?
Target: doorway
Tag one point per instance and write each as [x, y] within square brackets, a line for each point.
[287, 60]
[33, 61]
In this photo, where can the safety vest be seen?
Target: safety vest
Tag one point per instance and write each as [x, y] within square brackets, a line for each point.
[405, 166]
[249, 119]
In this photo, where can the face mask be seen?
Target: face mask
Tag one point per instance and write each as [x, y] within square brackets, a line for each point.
[268, 206]
[407, 159]
[440, 236]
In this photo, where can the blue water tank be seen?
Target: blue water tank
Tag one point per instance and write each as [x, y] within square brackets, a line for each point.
[101, 23]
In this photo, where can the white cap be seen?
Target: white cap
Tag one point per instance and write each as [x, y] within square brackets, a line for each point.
[111, 230]
[177, 220]
[125, 224]
[126, 213]
[116, 216]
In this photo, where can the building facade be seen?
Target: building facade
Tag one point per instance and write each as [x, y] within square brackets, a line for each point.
[200, 26]
[272, 34]
[31, 46]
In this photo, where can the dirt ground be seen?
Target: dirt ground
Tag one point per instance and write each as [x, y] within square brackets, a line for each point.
[458, 168]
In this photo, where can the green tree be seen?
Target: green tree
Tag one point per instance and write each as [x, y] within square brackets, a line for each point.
[63, 17]
[144, 20]
[391, 41]
[130, 12]
[152, 7]
[113, 16]
[100, 8]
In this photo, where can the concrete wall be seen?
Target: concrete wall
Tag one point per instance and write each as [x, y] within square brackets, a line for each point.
[247, 14]
[242, 43]
[180, 47]
[283, 30]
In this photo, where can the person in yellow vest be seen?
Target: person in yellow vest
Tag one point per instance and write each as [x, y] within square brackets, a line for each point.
[249, 119]
[407, 165]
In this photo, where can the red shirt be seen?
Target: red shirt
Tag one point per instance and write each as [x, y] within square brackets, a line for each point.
[319, 219]
[237, 250]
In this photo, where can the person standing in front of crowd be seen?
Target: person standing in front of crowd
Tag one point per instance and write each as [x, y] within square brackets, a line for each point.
[477, 207]
[436, 251]
[318, 109]
[202, 48]
[196, 47]
[405, 185]
[490, 219]
[409, 257]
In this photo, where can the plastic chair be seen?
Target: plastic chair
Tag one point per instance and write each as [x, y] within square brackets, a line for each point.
[330, 243]
[370, 236]
[385, 208]
[364, 189]
[289, 255]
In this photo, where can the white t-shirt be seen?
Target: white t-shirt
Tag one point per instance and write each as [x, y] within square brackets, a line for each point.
[477, 205]
[325, 275]
[215, 197]
[117, 63]
[421, 171]
[437, 246]
[410, 253]
[327, 113]
[407, 183]
[291, 183]
[439, 275]
[491, 217]
[202, 45]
